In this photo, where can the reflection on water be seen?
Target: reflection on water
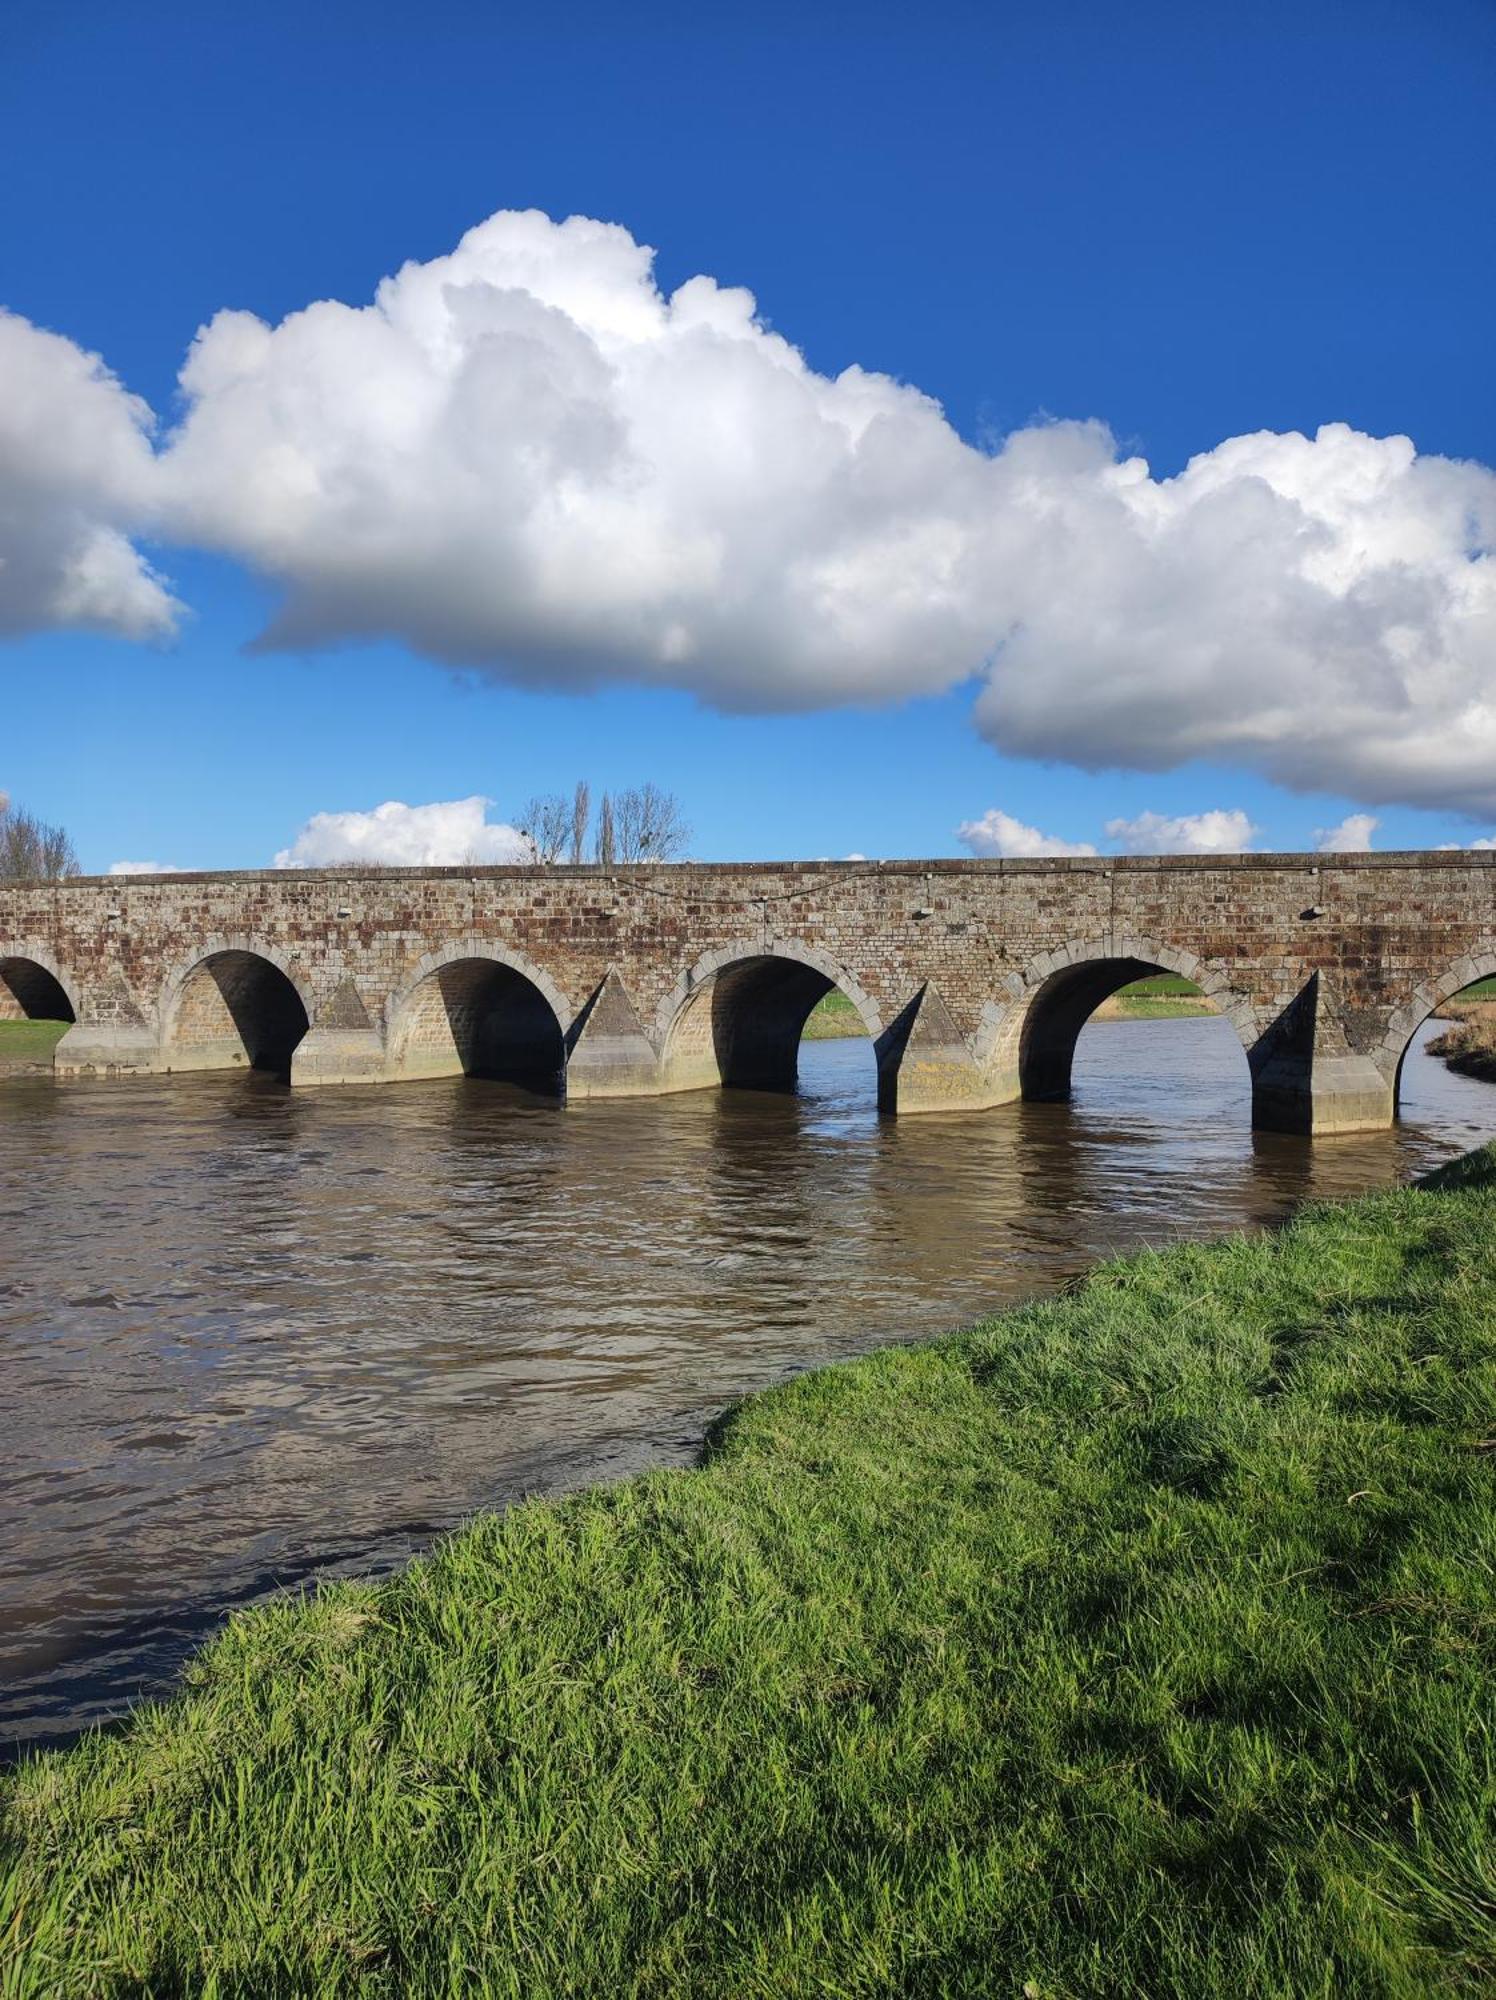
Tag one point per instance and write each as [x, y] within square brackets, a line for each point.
[250, 1335]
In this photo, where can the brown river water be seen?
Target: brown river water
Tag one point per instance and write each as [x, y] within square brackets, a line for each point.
[249, 1337]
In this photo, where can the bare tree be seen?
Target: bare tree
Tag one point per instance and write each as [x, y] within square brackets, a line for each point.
[650, 825]
[32, 851]
[545, 822]
[581, 806]
[606, 852]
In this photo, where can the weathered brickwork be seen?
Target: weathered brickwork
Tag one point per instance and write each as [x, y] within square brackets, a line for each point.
[972, 977]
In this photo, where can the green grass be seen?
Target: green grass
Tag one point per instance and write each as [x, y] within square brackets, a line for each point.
[833, 1019]
[1160, 985]
[30, 1041]
[1162, 996]
[1136, 1643]
[1483, 989]
[1157, 1007]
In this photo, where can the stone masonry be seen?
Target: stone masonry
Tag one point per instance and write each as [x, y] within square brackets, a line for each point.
[973, 978]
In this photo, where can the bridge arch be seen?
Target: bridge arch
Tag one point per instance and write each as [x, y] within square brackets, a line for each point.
[1425, 1000]
[736, 1017]
[1060, 990]
[475, 1009]
[33, 985]
[236, 1005]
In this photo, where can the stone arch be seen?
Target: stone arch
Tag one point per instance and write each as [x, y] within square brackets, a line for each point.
[33, 985]
[236, 1004]
[479, 1009]
[1411, 1016]
[736, 1017]
[1057, 993]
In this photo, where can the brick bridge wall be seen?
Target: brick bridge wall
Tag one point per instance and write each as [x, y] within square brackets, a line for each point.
[973, 977]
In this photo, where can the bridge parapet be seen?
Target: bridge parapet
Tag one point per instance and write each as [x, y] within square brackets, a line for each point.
[972, 978]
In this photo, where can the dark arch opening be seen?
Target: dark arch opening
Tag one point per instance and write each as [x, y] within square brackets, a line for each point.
[486, 1020]
[237, 1008]
[28, 992]
[744, 1026]
[1067, 1000]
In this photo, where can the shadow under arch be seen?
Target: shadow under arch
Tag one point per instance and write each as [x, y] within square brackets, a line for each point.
[1427, 1000]
[476, 1014]
[1065, 998]
[737, 1017]
[32, 991]
[233, 1008]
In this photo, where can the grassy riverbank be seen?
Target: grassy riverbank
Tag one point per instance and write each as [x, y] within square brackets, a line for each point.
[1161, 997]
[833, 1019]
[29, 1041]
[1137, 1642]
[1470, 1045]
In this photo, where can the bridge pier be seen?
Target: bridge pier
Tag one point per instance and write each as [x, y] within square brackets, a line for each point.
[926, 1065]
[108, 1048]
[1337, 1094]
[608, 1053]
[1306, 1077]
[339, 1055]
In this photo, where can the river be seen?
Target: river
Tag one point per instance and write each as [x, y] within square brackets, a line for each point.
[252, 1336]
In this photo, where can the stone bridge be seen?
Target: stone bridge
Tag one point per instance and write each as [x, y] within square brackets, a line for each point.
[973, 978]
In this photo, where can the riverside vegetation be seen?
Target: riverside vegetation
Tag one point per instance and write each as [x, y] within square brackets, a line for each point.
[1139, 1641]
[1470, 1045]
[1165, 996]
[29, 1041]
[1162, 996]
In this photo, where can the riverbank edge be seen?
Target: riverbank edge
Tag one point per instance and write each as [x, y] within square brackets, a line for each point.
[840, 1021]
[26, 1047]
[1477, 1062]
[1132, 1640]
[1469, 1046]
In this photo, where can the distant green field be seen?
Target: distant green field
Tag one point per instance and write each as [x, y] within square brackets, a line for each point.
[30, 1041]
[833, 1018]
[1160, 986]
[837, 1016]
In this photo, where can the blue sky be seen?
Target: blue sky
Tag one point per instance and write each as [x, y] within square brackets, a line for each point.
[1188, 223]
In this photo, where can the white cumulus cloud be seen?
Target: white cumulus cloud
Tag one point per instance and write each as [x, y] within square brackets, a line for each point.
[77, 476]
[524, 457]
[448, 833]
[999, 835]
[1222, 831]
[144, 868]
[1352, 836]
[1322, 609]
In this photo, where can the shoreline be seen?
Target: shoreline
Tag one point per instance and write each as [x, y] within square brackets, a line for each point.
[26, 1046]
[821, 1672]
[836, 1019]
[1469, 1045]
